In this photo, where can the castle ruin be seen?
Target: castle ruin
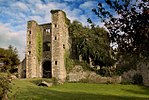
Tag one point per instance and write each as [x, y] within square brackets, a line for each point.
[45, 48]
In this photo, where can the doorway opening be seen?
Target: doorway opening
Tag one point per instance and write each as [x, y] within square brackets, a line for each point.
[47, 70]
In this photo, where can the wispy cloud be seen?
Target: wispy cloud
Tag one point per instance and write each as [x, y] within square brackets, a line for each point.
[14, 15]
[11, 37]
[88, 4]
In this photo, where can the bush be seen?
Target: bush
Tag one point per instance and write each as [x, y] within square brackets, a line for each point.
[5, 87]
[137, 79]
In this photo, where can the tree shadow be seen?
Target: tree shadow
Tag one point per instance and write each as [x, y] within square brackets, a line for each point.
[145, 91]
[43, 93]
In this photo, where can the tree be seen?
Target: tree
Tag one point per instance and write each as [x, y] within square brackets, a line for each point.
[130, 30]
[10, 59]
[91, 43]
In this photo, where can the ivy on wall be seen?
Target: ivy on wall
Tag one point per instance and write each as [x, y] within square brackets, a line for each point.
[39, 44]
[69, 63]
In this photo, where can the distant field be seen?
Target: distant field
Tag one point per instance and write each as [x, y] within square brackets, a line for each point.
[27, 90]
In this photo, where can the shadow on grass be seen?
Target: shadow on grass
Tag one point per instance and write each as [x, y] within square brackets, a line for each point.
[38, 81]
[43, 93]
[145, 91]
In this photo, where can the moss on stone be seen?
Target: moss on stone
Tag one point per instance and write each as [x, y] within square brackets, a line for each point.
[69, 63]
[39, 44]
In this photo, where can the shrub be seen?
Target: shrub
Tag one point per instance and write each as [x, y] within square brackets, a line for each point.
[5, 87]
[137, 79]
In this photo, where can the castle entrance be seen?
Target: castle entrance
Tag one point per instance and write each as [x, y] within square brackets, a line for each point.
[47, 71]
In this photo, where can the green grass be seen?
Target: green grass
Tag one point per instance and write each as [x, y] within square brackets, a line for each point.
[27, 90]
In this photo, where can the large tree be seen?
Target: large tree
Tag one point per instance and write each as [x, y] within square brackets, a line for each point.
[90, 43]
[128, 24]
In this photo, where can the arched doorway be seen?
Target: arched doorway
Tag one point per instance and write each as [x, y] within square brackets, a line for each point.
[47, 71]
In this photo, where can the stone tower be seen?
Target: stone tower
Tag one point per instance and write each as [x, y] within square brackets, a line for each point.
[45, 48]
[33, 67]
[59, 42]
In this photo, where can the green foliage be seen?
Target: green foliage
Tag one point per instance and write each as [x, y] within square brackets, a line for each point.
[39, 44]
[84, 64]
[10, 59]
[130, 31]
[104, 71]
[126, 62]
[69, 63]
[5, 87]
[137, 79]
[90, 43]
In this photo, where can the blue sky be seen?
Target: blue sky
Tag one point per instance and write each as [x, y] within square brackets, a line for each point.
[14, 15]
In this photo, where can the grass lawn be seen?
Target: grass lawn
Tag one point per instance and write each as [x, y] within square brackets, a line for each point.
[27, 90]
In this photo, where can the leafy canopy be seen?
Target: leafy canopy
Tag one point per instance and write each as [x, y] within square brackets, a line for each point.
[10, 59]
[90, 43]
[130, 29]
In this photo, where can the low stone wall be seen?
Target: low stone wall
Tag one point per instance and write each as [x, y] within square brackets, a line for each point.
[78, 75]
[142, 69]
[127, 77]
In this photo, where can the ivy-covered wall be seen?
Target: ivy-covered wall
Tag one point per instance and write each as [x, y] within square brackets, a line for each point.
[39, 46]
[69, 63]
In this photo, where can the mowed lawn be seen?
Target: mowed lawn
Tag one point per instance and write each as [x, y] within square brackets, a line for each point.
[28, 90]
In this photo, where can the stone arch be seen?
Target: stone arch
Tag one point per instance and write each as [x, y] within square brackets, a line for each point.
[47, 69]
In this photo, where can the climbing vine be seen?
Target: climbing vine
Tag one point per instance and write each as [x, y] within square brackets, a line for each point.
[39, 44]
[69, 63]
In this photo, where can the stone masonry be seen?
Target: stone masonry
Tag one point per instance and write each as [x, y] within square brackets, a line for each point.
[45, 48]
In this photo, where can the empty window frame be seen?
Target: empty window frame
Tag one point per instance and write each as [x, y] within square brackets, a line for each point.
[55, 62]
[55, 38]
[29, 52]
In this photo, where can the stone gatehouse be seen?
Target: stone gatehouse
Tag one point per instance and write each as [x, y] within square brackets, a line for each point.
[45, 48]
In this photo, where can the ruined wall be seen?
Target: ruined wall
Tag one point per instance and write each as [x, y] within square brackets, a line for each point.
[46, 30]
[45, 48]
[46, 53]
[143, 69]
[33, 50]
[22, 69]
[58, 44]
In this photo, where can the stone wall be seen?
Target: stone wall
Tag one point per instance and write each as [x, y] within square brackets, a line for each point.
[22, 69]
[142, 69]
[30, 49]
[58, 43]
[33, 67]
[77, 74]
[54, 45]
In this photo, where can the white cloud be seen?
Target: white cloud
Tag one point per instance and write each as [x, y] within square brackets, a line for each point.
[14, 32]
[20, 5]
[11, 37]
[88, 4]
